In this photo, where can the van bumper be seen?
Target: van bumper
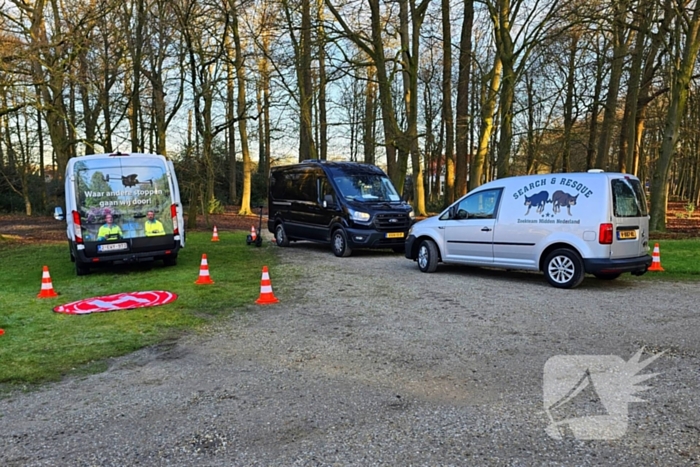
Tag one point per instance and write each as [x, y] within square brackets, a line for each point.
[127, 257]
[409, 247]
[637, 266]
[361, 238]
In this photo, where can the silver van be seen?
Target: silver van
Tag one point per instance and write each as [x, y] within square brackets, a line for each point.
[563, 224]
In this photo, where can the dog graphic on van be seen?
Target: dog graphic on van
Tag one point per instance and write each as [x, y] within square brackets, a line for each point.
[538, 200]
[560, 198]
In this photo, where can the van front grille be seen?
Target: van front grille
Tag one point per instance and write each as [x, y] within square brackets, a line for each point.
[391, 222]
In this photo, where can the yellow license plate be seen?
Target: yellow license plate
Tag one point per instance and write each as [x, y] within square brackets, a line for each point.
[626, 234]
[394, 235]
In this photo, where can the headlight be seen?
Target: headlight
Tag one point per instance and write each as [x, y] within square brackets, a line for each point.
[411, 214]
[360, 216]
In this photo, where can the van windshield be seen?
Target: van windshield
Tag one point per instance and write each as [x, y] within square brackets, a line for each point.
[120, 198]
[367, 188]
[628, 198]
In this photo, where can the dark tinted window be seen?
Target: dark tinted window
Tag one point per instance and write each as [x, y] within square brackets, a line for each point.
[294, 184]
[628, 198]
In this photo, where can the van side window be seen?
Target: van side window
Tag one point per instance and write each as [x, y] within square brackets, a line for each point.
[306, 185]
[325, 189]
[481, 205]
[279, 184]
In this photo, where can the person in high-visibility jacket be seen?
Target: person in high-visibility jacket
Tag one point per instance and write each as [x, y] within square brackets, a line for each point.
[109, 231]
[153, 226]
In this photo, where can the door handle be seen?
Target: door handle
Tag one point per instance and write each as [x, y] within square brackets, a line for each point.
[485, 229]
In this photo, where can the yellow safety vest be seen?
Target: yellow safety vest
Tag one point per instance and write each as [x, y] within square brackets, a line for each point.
[109, 233]
[154, 228]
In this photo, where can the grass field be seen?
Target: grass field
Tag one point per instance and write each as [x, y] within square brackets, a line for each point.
[39, 345]
[680, 260]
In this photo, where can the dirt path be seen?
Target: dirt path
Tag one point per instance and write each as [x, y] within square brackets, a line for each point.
[367, 361]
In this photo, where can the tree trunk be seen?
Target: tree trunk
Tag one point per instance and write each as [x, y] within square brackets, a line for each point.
[620, 34]
[491, 84]
[463, 149]
[239, 64]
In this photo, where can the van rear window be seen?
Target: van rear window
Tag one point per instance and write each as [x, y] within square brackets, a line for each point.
[135, 194]
[628, 198]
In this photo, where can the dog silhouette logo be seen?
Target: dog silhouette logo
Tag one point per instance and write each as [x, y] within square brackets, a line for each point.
[587, 396]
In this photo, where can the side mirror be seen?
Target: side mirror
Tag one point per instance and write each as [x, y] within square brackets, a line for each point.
[58, 213]
[328, 201]
[452, 212]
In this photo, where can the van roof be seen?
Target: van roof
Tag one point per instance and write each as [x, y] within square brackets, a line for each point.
[133, 155]
[335, 167]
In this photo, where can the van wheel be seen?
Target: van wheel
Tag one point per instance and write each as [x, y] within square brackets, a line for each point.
[427, 256]
[281, 236]
[81, 269]
[608, 277]
[339, 244]
[563, 268]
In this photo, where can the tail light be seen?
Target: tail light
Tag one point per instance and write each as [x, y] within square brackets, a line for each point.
[173, 214]
[605, 234]
[76, 227]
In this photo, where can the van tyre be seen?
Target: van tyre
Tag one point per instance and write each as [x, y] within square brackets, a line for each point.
[427, 256]
[563, 268]
[281, 236]
[81, 269]
[339, 244]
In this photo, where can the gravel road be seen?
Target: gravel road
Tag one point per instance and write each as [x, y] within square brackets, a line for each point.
[366, 361]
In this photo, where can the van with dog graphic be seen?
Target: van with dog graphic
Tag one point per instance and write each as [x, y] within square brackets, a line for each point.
[563, 224]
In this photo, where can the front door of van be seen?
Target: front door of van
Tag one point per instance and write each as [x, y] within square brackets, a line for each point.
[469, 236]
[322, 216]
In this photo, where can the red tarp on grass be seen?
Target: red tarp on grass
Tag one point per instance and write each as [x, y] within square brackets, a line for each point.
[120, 301]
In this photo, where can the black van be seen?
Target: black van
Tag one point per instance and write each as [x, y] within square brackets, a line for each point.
[347, 204]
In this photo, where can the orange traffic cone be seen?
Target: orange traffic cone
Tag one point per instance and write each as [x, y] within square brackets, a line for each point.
[215, 235]
[266, 295]
[204, 272]
[253, 235]
[2, 331]
[46, 285]
[656, 259]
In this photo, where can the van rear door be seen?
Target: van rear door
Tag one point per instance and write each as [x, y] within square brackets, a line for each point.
[177, 201]
[630, 218]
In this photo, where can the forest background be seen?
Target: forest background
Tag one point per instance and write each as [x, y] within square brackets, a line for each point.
[450, 93]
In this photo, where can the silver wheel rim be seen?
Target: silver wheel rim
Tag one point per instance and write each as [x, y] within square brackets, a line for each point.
[338, 242]
[280, 235]
[561, 269]
[423, 257]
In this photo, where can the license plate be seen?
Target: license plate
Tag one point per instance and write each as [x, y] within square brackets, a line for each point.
[394, 235]
[626, 234]
[111, 247]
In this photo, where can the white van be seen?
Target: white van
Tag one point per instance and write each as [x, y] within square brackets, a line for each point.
[122, 208]
[563, 224]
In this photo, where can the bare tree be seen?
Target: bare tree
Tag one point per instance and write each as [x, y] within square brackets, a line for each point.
[688, 44]
[534, 22]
